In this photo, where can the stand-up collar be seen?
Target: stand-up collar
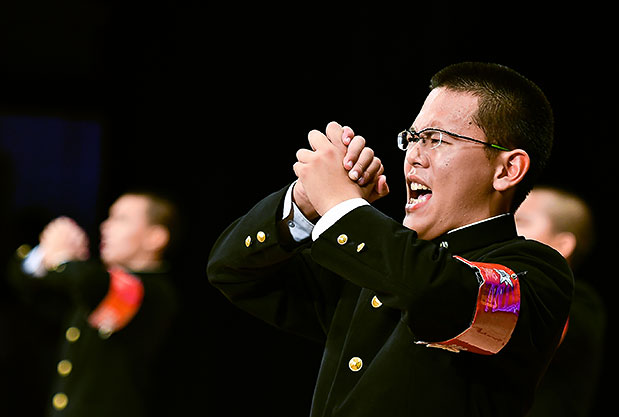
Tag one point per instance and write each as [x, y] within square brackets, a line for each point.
[480, 234]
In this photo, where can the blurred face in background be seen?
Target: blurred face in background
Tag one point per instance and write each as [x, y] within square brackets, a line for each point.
[533, 218]
[537, 219]
[126, 235]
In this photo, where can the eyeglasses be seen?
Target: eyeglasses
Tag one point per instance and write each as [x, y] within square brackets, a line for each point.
[431, 138]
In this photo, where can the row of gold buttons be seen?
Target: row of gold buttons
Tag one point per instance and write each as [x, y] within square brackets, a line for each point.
[260, 236]
[60, 400]
[343, 239]
[356, 363]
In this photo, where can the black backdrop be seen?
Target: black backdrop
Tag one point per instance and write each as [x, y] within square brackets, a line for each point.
[211, 103]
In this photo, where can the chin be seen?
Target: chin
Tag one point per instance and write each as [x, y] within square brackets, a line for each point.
[107, 260]
[410, 223]
[422, 230]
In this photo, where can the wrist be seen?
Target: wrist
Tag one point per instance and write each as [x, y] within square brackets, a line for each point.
[303, 204]
[329, 203]
[335, 213]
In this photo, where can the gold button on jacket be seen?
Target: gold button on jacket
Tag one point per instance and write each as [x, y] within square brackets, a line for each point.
[64, 367]
[355, 364]
[376, 302]
[72, 334]
[261, 236]
[60, 401]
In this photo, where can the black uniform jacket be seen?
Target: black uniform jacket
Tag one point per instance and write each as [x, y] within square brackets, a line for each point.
[381, 300]
[99, 374]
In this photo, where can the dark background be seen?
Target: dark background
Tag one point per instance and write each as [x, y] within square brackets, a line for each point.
[210, 103]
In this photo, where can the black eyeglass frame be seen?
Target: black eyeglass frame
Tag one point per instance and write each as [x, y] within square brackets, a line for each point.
[415, 135]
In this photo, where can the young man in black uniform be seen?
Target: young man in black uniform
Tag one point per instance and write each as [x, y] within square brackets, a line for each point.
[120, 309]
[449, 313]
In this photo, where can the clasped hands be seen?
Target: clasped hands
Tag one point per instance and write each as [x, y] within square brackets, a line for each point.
[338, 167]
[63, 240]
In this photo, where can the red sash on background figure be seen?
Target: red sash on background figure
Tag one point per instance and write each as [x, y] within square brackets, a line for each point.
[120, 305]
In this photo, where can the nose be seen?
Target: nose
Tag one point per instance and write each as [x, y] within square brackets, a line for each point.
[103, 225]
[417, 156]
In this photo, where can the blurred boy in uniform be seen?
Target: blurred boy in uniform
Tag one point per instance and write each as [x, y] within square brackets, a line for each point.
[121, 306]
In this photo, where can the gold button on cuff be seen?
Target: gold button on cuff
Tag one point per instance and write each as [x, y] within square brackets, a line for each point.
[60, 401]
[72, 334]
[261, 236]
[355, 364]
[360, 247]
[376, 302]
[248, 241]
[342, 239]
[64, 367]
[23, 251]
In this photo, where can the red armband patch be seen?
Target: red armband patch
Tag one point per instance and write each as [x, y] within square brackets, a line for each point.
[496, 312]
[120, 305]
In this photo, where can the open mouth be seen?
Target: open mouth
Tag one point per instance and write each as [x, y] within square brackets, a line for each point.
[419, 194]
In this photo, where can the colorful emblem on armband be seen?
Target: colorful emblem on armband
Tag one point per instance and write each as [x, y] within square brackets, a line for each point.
[496, 312]
[120, 305]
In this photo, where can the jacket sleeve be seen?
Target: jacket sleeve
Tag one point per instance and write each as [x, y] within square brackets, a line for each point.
[80, 282]
[260, 268]
[447, 301]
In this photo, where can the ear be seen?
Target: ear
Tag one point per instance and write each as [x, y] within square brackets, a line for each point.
[157, 238]
[564, 243]
[511, 169]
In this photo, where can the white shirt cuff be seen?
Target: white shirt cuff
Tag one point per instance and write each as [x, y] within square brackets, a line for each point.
[288, 201]
[299, 226]
[335, 213]
[33, 263]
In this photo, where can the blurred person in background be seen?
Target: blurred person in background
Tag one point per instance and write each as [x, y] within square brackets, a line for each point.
[121, 307]
[563, 221]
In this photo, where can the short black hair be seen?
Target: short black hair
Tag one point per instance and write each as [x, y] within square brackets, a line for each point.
[513, 112]
[162, 210]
